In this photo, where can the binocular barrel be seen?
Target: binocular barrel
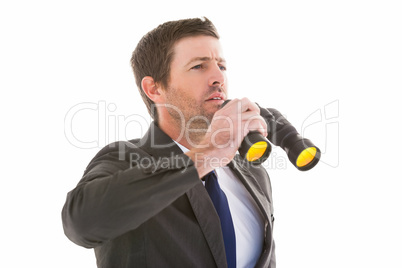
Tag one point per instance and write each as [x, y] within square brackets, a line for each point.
[302, 153]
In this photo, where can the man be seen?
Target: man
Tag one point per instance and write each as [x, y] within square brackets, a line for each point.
[143, 203]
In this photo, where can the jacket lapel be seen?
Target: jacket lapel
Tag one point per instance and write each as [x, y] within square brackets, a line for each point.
[263, 201]
[253, 188]
[208, 219]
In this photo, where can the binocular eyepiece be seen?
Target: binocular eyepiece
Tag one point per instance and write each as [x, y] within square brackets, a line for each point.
[255, 148]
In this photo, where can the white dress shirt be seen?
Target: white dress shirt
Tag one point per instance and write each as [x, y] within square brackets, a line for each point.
[247, 219]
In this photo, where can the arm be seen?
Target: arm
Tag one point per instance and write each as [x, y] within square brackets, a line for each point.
[113, 198]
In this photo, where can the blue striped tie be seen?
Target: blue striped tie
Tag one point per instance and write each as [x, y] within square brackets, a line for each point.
[220, 202]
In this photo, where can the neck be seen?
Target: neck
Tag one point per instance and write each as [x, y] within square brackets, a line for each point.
[188, 135]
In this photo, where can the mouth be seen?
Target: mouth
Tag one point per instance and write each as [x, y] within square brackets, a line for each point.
[216, 97]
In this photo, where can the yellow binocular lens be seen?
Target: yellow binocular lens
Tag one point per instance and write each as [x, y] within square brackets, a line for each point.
[256, 151]
[306, 156]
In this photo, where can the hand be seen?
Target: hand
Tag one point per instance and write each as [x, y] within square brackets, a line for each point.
[227, 130]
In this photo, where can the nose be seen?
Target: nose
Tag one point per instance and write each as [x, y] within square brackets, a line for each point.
[217, 77]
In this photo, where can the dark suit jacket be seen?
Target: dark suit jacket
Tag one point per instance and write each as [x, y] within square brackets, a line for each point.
[141, 204]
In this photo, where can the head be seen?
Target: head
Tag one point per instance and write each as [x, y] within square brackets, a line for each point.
[155, 51]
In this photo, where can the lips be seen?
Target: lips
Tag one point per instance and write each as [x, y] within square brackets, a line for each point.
[216, 96]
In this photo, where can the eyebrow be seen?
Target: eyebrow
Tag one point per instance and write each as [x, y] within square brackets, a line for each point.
[195, 59]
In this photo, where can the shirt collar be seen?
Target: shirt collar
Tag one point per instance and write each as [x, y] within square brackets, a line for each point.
[184, 149]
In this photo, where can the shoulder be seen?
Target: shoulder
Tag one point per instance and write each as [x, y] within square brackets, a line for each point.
[116, 155]
[120, 147]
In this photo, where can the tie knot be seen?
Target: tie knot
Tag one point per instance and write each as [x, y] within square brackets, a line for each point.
[210, 175]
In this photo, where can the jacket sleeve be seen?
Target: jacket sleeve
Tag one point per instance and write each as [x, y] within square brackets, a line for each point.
[116, 196]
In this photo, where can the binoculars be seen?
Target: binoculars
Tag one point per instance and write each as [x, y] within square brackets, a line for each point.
[255, 148]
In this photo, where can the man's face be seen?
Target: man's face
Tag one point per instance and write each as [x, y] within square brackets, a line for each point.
[197, 86]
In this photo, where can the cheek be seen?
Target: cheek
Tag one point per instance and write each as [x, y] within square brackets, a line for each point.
[192, 87]
[194, 90]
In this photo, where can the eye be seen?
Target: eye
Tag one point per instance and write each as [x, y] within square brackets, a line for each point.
[197, 67]
[223, 68]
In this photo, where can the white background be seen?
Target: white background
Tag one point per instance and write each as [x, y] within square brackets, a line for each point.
[340, 60]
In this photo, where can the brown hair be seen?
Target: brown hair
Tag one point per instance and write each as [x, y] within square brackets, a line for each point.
[154, 52]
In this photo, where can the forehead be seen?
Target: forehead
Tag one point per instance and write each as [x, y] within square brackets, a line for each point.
[196, 47]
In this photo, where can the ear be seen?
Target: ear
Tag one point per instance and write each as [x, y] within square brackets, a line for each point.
[151, 88]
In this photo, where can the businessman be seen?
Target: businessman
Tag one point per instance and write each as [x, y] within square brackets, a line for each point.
[179, 196]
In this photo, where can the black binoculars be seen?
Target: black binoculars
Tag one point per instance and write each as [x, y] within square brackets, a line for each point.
[255, 148]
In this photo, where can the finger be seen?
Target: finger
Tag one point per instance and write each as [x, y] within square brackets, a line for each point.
[255, 123]
[247, 105]
[250, 114]
[241, 105]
